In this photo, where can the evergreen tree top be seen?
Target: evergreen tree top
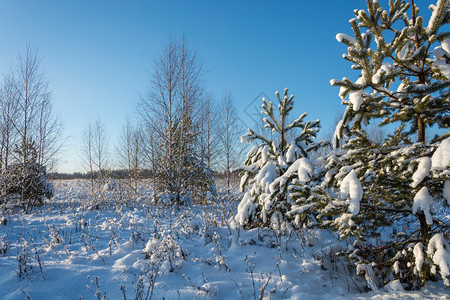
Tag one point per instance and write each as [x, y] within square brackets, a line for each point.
[285, 139]
[404, 67]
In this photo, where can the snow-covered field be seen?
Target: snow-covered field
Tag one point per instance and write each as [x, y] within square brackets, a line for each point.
[135, 250]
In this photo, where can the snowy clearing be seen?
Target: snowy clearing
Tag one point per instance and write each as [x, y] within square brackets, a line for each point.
[138, 251]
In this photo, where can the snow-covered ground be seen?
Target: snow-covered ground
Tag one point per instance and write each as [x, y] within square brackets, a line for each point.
[131, 249]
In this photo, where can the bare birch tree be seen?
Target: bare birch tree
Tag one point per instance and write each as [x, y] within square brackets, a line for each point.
[158, 111]
[101, 151]
[8, 117]
[87, 152]
[48, 134]
[31, 89]
[35, 119]
[171, 113]
[229, 133]
[28, 122]
[94, 154]
[151, 153]
[208, 131]
[130, 153]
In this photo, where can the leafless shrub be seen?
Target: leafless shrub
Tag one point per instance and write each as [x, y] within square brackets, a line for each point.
[4, 245]
[165, 251]
[207, 288]
[95, 288]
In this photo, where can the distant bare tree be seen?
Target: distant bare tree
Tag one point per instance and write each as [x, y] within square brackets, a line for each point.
[375, 133]
[229, 133]
[87, 152]
[130, 153]
[94, 153]
[49, 133]
[100, 144]
[208, 130]
[151, 153]
[137, 158]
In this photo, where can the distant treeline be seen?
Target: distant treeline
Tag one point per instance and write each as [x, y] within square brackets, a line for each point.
[120, 174]
[116, 174]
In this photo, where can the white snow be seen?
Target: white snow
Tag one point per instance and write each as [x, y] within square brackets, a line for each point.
[266, 176]
[246, 208]
[441, 157]
[401, 87]
[443, 66]
[189, 253]
[246, 137]
[265, 155]
[439, 53]
[369, 275]
[351, 188]
[423, 202]
[445, 44]
[305, 170]
[299, 209]
[386, 67]
[337, 133]
[446, 191]
[434, 18]
[396, 267]
[394, 286]
[292, 153]
[438, 250]
[423, 169]
[342, 37]
[355, 97]
[401, 53]
[419, 256]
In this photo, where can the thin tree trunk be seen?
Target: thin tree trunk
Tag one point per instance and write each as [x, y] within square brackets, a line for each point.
[424, 227]
[421, 130]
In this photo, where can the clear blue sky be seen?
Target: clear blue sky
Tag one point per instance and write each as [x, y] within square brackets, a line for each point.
[98, 55]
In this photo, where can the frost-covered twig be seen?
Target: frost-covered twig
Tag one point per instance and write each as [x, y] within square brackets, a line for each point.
[204, 289]
[86, 244]
[250, 269]
[97, 292]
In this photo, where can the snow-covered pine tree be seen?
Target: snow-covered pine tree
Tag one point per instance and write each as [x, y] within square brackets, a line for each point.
[274, 164]
[391, 189]
[404, 67]
[27, 179]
